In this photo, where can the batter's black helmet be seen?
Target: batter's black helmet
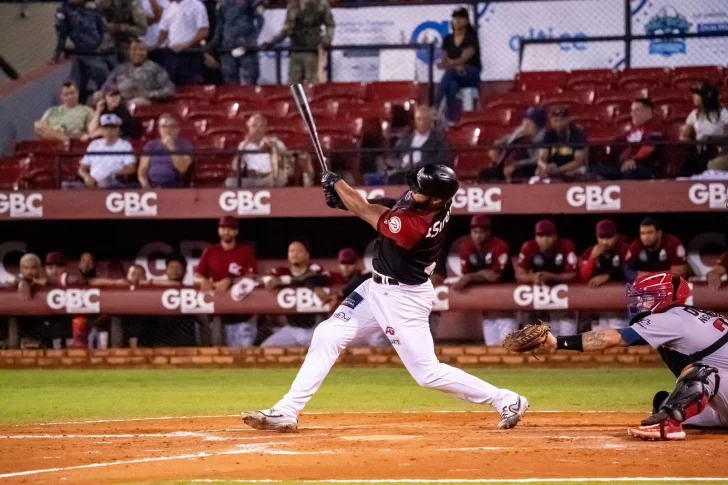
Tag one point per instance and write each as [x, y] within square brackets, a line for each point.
[434, 180]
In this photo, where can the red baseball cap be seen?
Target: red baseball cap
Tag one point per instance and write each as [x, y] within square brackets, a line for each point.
[545, 227]
[55, 258]
[481, 220]
[348, 256]
[606, 228]
[228, 221]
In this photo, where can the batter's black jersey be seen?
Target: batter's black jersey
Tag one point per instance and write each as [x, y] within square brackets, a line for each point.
[410, 242]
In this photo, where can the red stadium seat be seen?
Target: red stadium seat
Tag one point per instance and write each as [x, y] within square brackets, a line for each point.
[40, 147]
[226, 109]
[469, 164]
[342, 151]
[669, 95]
[674, 112]
[340, 90]
[684, 77]
[372, 110]
[591, 79]
[546, 81]
[518, 99]
[276, 109]
[643, 78]
[463, 138]
[196, 92]
[229, 128]
[497, 115]
[621, 96]
[490, 134]
[397, 92]
[154, 111]
[295, 141]
[570, 98]
[13, 172]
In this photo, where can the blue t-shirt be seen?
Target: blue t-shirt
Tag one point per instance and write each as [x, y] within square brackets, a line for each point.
[161, 172]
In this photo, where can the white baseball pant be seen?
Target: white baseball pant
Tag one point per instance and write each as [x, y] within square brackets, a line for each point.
[402, 312]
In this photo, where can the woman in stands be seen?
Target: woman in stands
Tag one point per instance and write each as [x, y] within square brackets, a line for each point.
[461, 62]
[707, 121]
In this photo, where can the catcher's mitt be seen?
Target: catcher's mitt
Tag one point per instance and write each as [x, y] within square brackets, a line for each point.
[528, 339]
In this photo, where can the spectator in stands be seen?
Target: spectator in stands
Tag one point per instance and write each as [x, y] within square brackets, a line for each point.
[111, 103]
[31, 275]
[483, 260]
[223, 264]
[87, 266]
[715, 275]
[136, 276]
[423, 146]
[100, 170]
[237, 29]
[519, 163]
[261, 169]
[638, 162]
[603, 263]
[160, 167]
[564, 155]
[80, 22]
[140, 80]
[68, 120]
[153, 9]
[298, 328]
[176, 265]
[303, 24]
[55, 268]
[549, 259]
[709, 119]
[655, 251]
[184, 25]
[125, 20]
[461, 62]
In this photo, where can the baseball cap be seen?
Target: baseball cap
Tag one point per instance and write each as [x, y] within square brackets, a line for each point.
[112, 89]
[55, 258]
[481, 220]
[606, 228]
[348, 256]
[228, 221]
[109, 119]
[545, 227]
[560, 112]
[538, 115]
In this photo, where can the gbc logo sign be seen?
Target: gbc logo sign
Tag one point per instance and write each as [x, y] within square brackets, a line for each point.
[21, 206]
[542, 297]
[302, 299]
[132, 204]
[246, 202]
[715, 195]
[75, 300]
[595, 197]
[187, 301]
[478, 200]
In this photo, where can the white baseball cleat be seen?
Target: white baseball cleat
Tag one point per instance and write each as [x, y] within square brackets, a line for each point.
[512, 413]
[270, 420]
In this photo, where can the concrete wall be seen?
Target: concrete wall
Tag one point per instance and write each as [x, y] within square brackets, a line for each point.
[26, 41]
[22, 106]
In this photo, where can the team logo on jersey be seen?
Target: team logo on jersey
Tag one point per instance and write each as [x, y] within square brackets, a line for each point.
[395, 225]
[342, 316]
[389, 331]
[235, 269]
[489, 259]
[663, 255]
[559, 260]
[503, 259]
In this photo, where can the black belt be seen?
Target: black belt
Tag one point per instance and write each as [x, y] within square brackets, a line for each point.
[384, 280]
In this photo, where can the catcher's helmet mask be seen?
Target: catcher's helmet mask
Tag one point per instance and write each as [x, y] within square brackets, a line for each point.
[656, 293]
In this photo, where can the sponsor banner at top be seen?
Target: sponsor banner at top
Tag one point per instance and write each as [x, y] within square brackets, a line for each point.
[299, 202]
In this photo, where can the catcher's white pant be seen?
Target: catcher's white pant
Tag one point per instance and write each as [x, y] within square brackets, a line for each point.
[402, 312]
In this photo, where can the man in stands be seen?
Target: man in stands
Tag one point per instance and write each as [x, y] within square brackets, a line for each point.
[55, 268]
[98, 169]
[30, 277]
[220, 267]
[423, 146]
[184, 25]
[547, 260]
[298, 328]
[565, 152]
[519, 163]
[237, 27]
[483, 259]
[124, 21]
[263, 169]
[602, 263]
[639, 161]
[139, 80]
[176, 265]
[715, 276]
[68, 120]
[654, 251]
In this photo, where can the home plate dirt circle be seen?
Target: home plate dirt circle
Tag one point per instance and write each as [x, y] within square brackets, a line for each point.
[427, 446]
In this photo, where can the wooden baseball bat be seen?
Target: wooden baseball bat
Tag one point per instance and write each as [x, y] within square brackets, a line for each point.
[299, 95]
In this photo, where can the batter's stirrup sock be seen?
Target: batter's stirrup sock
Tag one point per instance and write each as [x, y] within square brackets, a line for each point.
[692, 392]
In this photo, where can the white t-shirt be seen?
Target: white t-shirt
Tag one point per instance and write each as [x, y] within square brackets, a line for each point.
[705, 127]
[258, 162]
[182, 20]
[152, 35]
[101, 167]
[417, 141]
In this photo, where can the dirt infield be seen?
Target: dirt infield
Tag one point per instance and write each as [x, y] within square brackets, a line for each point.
[352, 446]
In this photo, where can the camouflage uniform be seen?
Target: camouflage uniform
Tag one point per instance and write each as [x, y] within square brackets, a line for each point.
[148, 80]
[83, 25]
[129, 15]
[304, 19]
[238, 24]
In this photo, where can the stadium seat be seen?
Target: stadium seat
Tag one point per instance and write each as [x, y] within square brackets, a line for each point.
[40, 147]
[669, 95]
[226, 109]
[342, 151]
[396, 92]
[497, 115]
[13, 172]
[154, 111]
[643, 78]
[570, 98]
[684, 77]
[470, 163]
[490, 134]
[372, 110]
[295, 141]
[546, 81]
[585, 115]
[674, 112]
[277, 109]
[228, 128]
[518, 99]
[463, 137]
[200, 93]
[590, 79]
[340, 90]
[192, 129]
[620, 96]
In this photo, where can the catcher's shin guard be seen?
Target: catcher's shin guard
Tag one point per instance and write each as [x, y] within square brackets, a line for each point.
[693, 390]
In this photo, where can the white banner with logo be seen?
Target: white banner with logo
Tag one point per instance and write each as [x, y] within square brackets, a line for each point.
[655, 17]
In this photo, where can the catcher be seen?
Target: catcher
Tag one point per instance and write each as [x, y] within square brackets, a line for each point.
[692, 342]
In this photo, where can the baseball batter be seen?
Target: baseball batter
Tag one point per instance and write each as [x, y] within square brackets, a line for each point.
[397, 300]
[692, 342]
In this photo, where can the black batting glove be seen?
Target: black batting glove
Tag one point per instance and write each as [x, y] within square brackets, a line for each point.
[328, 179]
[332, 199]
